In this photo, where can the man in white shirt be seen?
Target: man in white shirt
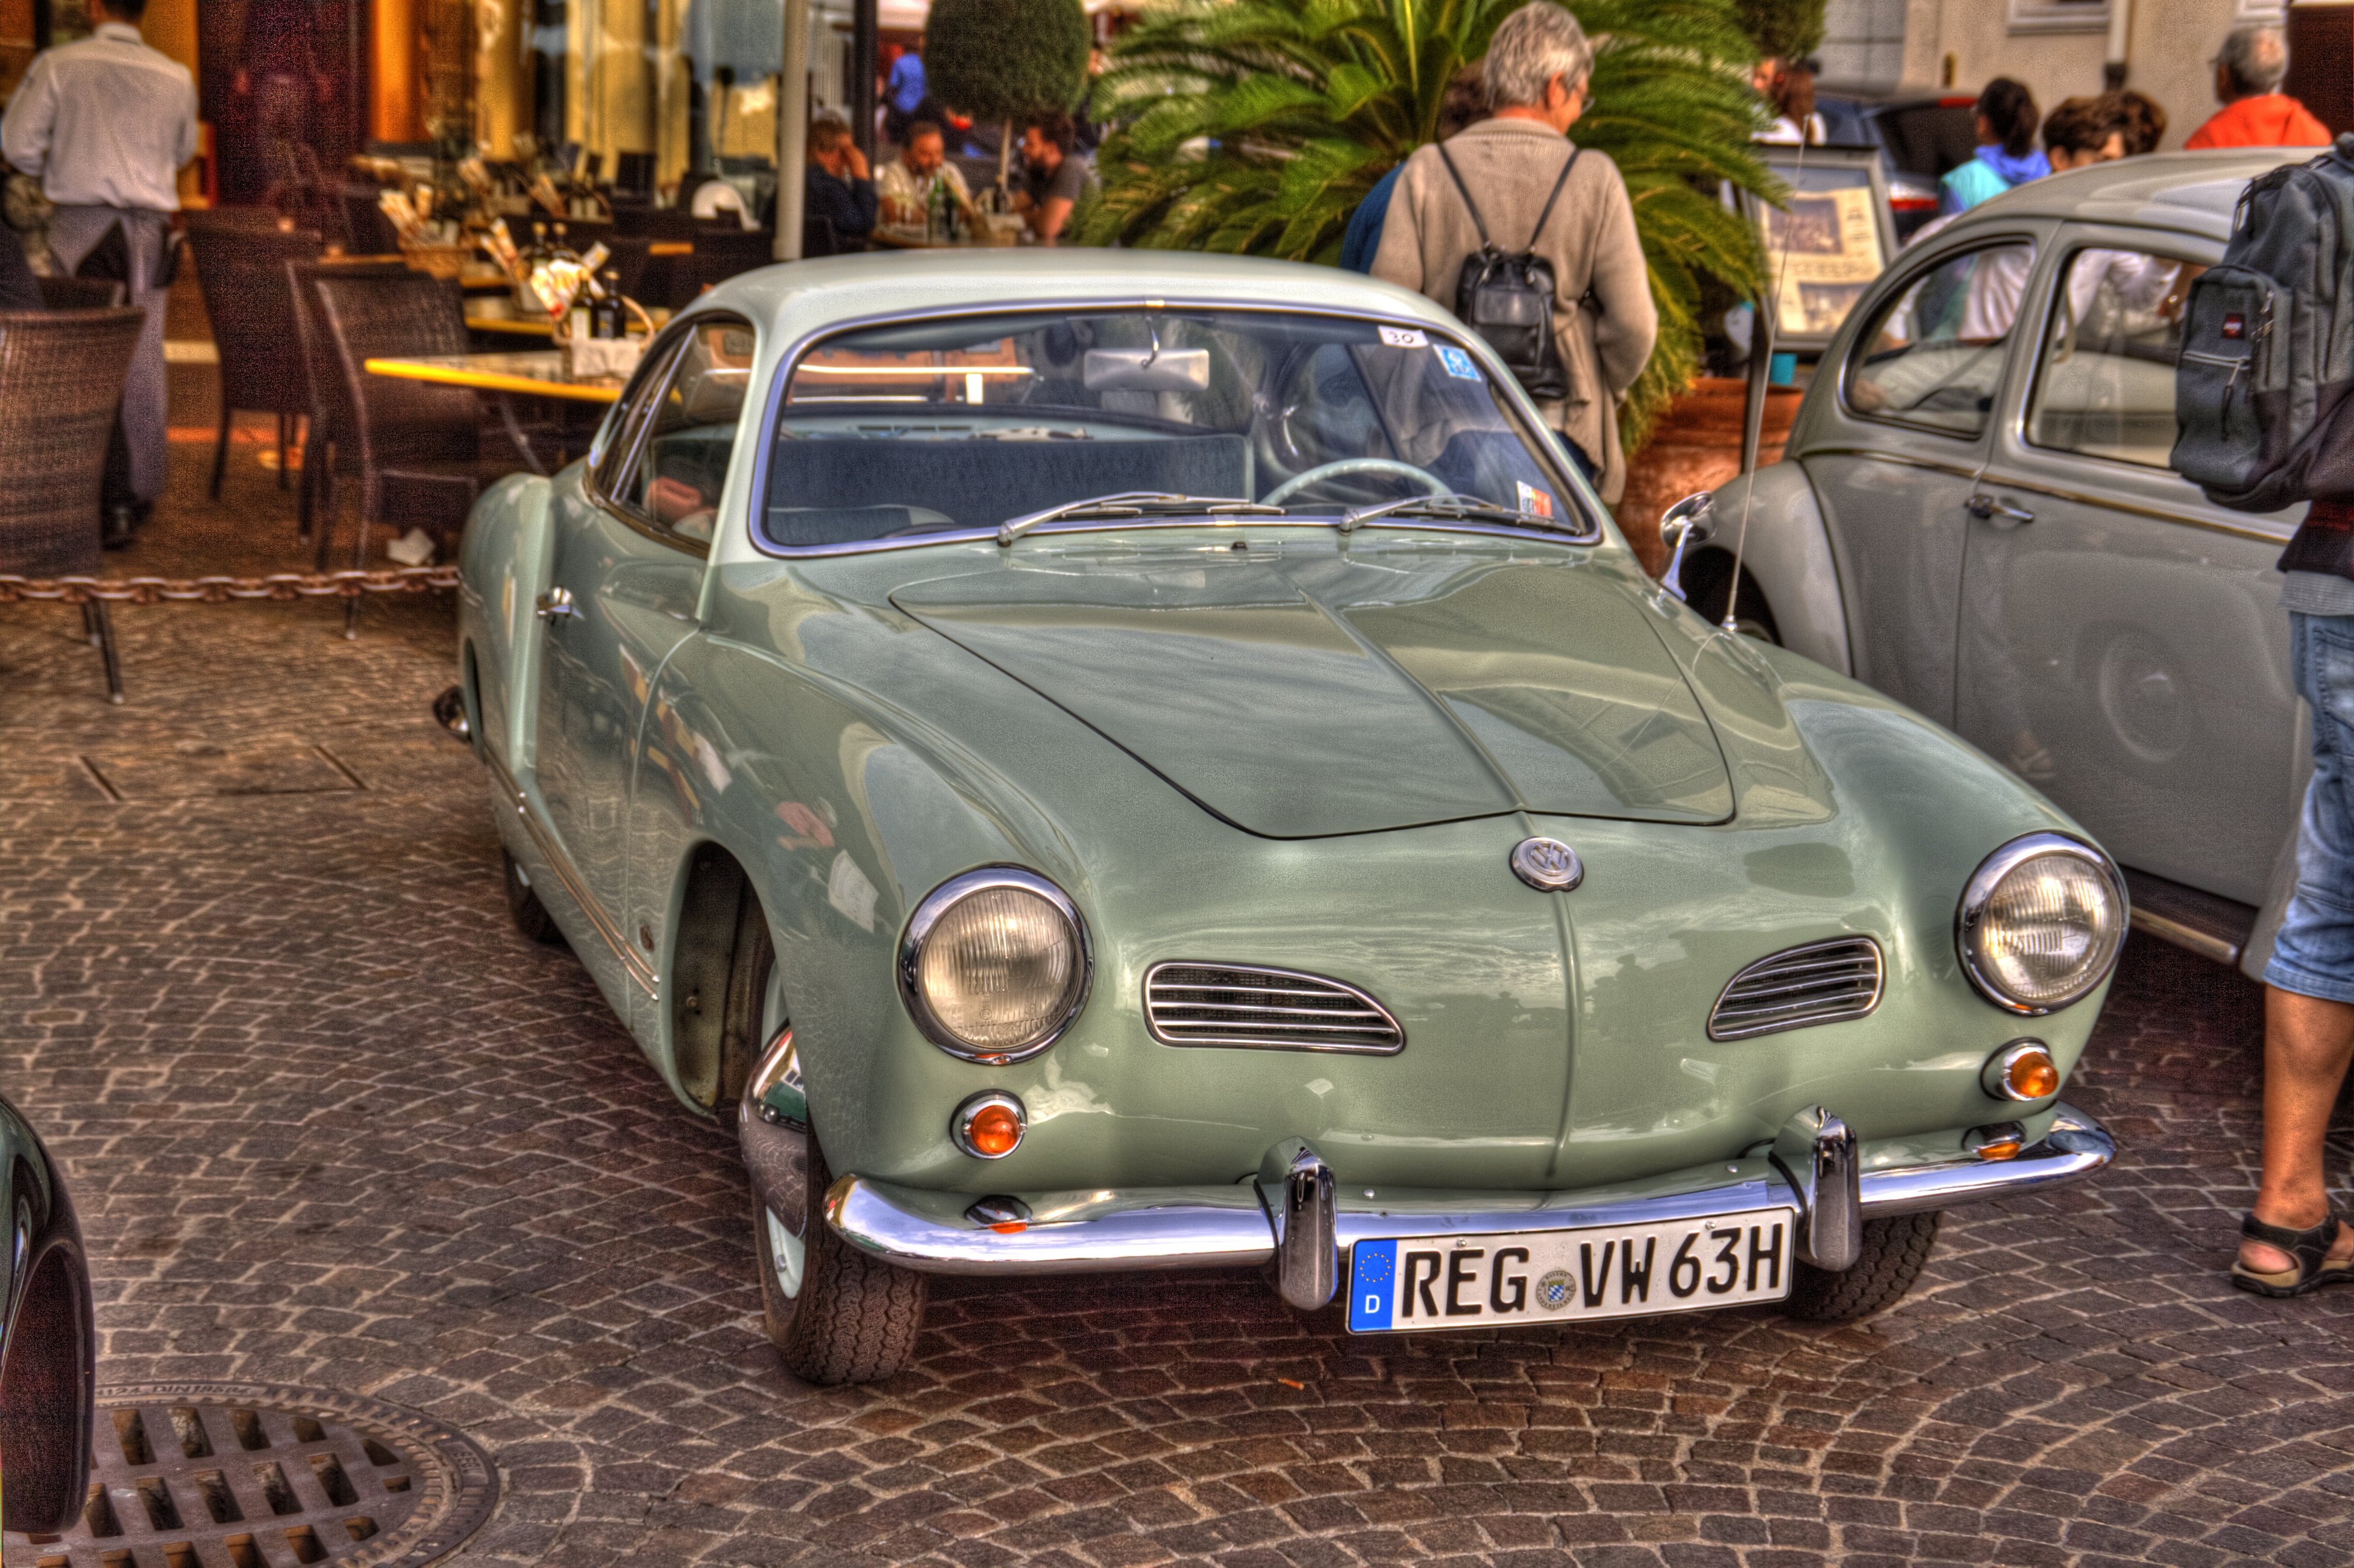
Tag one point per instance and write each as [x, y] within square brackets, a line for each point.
[905, 183]
[105, 123]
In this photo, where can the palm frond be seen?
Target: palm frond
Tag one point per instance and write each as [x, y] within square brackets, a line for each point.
[1257, 126]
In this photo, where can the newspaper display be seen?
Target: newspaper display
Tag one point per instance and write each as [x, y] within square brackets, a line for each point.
[1823, 253]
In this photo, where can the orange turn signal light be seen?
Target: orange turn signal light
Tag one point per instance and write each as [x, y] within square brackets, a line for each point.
[1998, 1140]
[2000, 1149]
[2022, 1071]
[989, 1125]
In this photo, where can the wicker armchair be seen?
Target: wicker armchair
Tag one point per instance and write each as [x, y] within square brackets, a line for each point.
[325, 452]
[242, 271]
[84, 293]
[61, 375]
[409, 437]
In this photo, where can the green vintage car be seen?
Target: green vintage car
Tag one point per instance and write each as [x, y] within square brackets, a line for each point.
[1137, 762]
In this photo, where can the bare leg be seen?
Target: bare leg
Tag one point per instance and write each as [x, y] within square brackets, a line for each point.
[2307, 1044]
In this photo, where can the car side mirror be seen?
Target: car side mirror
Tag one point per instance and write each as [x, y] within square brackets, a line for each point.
[1682, 525]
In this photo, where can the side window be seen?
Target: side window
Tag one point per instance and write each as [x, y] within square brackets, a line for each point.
[1933, 355]
[682, 460]
[622, 434]
[2105, 385]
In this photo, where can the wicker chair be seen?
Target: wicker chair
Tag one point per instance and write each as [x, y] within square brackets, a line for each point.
[407, 435]
[242, 271]
[325, 451]
[366, 230]
[82, 293]
[61, 375]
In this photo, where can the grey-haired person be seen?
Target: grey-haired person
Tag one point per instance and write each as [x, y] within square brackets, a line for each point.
[1538, 67]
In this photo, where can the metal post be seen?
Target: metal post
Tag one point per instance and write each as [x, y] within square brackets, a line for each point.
[793, 131]
[865, 28]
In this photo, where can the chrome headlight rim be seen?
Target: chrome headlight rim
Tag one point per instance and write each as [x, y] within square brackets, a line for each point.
[1980, 891]
[929, 915]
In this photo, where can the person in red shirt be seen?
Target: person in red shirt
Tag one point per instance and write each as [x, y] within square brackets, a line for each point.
[2256, 112]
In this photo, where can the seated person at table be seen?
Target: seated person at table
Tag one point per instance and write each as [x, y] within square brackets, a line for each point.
[1054, 177]
[838, 189]
[907, 182]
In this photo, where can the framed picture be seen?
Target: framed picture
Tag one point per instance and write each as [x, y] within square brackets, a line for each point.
[1825, 248]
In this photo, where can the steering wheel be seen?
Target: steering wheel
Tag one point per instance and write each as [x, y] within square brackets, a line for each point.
[1300, 482]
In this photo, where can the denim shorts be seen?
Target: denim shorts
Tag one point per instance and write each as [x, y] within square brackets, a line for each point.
[2313, 954]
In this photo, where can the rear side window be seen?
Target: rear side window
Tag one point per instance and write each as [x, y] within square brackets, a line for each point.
[1933, 355]
[2106, 383]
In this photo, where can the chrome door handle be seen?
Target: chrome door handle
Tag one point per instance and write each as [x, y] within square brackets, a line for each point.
[2001, 513]
[556, 604]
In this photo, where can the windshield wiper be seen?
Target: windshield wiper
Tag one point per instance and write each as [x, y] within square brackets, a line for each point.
[1130, 503]
[1439, 506]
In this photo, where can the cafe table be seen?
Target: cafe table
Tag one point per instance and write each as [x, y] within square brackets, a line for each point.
[502, 377]
[913, 237]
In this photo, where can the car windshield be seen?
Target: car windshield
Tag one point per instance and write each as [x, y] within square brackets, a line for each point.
[926, 427]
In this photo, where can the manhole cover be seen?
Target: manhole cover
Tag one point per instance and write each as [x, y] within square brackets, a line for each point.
[232, 1475]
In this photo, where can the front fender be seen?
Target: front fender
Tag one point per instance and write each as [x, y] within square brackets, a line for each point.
[1789, 554]
[504, 565]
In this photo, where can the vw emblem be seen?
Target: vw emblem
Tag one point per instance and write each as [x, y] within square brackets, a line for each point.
[1548, 865]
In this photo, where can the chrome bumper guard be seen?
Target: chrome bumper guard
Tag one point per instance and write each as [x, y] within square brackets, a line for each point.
[1220, 1227]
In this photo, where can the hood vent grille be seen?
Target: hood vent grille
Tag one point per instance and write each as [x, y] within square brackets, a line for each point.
[1820, 983]
[1268, 1010]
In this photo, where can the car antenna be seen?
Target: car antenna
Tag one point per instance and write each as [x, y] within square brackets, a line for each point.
[1761, 371]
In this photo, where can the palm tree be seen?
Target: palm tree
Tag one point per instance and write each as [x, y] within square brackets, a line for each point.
[1257, 126]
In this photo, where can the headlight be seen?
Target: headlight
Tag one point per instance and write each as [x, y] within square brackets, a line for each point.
[994, 965]
[2040, 923]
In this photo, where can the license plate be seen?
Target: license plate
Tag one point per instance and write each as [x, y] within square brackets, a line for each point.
[1422, 1283]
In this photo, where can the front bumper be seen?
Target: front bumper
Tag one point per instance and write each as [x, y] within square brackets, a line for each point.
[1215, 1227]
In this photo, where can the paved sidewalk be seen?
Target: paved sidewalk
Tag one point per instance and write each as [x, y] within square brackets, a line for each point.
[331, 1122]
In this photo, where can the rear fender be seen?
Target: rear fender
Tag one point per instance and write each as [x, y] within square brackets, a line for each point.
[504, 564]
[1789, 554]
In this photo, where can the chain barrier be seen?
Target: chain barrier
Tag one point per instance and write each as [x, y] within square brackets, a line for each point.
[226, 590]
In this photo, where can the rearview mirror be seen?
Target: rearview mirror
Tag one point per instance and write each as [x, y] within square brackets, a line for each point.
[1146, 370]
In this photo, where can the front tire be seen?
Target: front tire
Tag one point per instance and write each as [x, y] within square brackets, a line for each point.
[835, 1315]
[1895, 1249]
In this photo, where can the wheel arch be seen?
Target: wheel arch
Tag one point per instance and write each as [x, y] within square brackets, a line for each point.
[711, 1014]
[1786, 553]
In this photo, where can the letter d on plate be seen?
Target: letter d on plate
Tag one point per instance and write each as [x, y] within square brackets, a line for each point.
[1372, 1277]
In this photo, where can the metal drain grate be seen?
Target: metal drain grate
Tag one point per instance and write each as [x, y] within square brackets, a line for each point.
[201, 1475]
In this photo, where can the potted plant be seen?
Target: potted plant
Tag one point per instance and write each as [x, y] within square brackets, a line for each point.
[1000, 59]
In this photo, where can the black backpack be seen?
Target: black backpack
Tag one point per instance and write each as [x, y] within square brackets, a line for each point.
[1507, 298]
[2260, 394]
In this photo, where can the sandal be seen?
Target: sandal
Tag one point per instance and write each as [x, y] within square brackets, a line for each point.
[2309, 1248]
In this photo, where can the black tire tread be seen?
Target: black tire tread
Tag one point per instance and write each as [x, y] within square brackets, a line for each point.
[530, 915]
[1895, 1250]
[856, 1317]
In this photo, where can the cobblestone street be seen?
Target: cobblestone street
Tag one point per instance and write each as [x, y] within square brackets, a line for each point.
[330, 1121]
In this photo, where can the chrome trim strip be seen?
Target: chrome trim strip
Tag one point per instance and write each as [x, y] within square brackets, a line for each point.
[1981, 887]
[1221, 1227]
[1240, 1036]
[637, 968]
[1748, 1016]
[2001, 482]
[772, 408]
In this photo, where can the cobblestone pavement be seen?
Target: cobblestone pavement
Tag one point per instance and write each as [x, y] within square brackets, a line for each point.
[330, 1122]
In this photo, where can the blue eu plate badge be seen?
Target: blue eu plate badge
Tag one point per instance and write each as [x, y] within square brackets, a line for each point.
[1374, 1266]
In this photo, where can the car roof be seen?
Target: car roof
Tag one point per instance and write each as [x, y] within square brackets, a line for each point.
[816, 294]
[2193, 193]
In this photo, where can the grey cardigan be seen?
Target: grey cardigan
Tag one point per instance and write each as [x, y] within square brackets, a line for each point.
[1511, 167]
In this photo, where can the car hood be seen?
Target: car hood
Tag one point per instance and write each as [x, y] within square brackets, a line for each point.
[1310, 694]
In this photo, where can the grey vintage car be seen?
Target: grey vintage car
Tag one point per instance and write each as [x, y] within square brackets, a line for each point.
[1974, 514]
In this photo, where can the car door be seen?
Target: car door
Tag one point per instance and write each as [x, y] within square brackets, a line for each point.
[2121, 641]
[1894, 460]
[630, 541]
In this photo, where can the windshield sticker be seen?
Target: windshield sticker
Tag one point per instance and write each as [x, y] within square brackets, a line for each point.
[1535, 502]
[1459, 365]
[1404, 337]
